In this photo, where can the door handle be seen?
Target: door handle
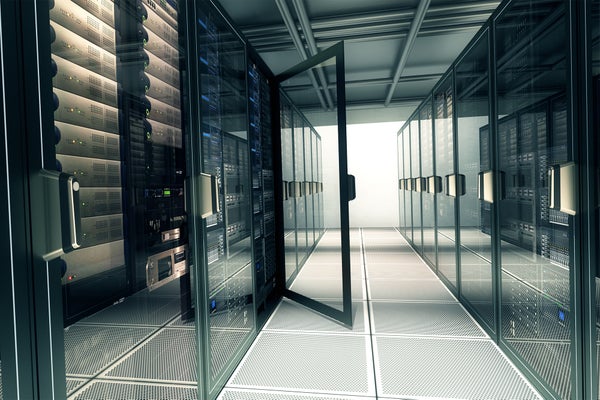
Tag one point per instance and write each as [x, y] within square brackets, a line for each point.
[455, 185]
[351, 187]
[562, 188]
[485, 186]
[434, 184]
[61, 214]
[209, 195]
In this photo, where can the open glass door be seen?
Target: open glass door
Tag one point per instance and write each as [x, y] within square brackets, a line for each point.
[318, 270]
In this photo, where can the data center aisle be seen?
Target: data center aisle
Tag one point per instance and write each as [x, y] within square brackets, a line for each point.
[411, 339]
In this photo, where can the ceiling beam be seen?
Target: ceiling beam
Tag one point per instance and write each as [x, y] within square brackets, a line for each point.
[415, 26]
[371, 82]
[312, 46]
[291, 27]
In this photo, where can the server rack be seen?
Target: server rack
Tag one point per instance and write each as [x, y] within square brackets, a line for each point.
[518, 213]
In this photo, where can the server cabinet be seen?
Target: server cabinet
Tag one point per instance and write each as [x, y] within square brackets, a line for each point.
[225, 285]
[263, 191]
[415, 160]
[538, 209]
[428, 184]
[443, 114]
[472, 77]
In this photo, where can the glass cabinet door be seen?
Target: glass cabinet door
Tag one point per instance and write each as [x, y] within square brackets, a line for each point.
[416, 194]
[443, 109]
[401, 183]
[476, 193]
[289, 201]
[538, 207]
[427, 185]
[408, 207]
[300, 178]
[594, 97]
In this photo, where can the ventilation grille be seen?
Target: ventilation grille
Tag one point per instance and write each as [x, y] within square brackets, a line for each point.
[326, 363]
[430, 319]
[442, 368]
[169, 356]
[224, 343]
[100, 390]
[90, 349]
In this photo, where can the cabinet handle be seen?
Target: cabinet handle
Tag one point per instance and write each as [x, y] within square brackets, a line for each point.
[485, 186]
[562, 188]
[209, 194]
[351, 187]
[455, 185]
[434, 184]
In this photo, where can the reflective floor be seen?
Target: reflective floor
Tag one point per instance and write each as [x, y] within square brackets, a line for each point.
[411, 339]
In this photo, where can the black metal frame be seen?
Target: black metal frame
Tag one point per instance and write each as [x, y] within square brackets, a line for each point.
[345, 316]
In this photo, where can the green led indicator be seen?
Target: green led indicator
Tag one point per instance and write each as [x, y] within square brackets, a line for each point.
[167, 192]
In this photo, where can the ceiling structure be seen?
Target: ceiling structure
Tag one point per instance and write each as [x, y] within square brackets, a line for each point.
[395, 51]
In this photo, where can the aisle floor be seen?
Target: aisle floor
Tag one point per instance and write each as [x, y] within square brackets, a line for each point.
[411, 338]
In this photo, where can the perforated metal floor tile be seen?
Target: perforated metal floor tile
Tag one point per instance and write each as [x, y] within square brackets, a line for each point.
[338, 364]
[327, 271]
[103, 390]
[429, 319]
[290, 316]
[327, 288]
[393, 258]
[551, 360]
[416, 290]
[399, 272]
[89, 349]
[171, 289]
[169, 356]
[178, 323]
[230, 394]
[74, 384]
[142, 310]
[446, 368]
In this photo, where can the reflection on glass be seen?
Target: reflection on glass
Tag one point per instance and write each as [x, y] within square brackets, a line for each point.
[474, 158]
[443, 109]
[415, 160]
[533, 137]
[428, 193]
[595, 90]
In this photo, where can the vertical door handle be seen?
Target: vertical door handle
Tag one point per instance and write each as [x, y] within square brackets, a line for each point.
[455, 185]
[209, 195]
[61, 215]
[485, 186]
[434, 184]
[562, 188]
[351, 187]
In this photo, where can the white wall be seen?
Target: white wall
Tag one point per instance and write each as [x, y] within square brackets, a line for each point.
[372, 159]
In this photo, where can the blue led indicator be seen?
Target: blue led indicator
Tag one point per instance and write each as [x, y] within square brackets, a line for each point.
[561, 315]
[202, 23]
[205, 98]
[213, 305]
[204, 60]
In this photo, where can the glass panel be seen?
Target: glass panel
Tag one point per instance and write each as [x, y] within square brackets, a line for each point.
[289, 202]
[415, 159]
[319, 283]
[408, 213]
[474, 157]
[444, 165]
[427, 168]
[313, 179]
[263, 200]
[533, 137]
[228, 232]
[401, 189]
[119, 130]
[300, 178]
[594, 23]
